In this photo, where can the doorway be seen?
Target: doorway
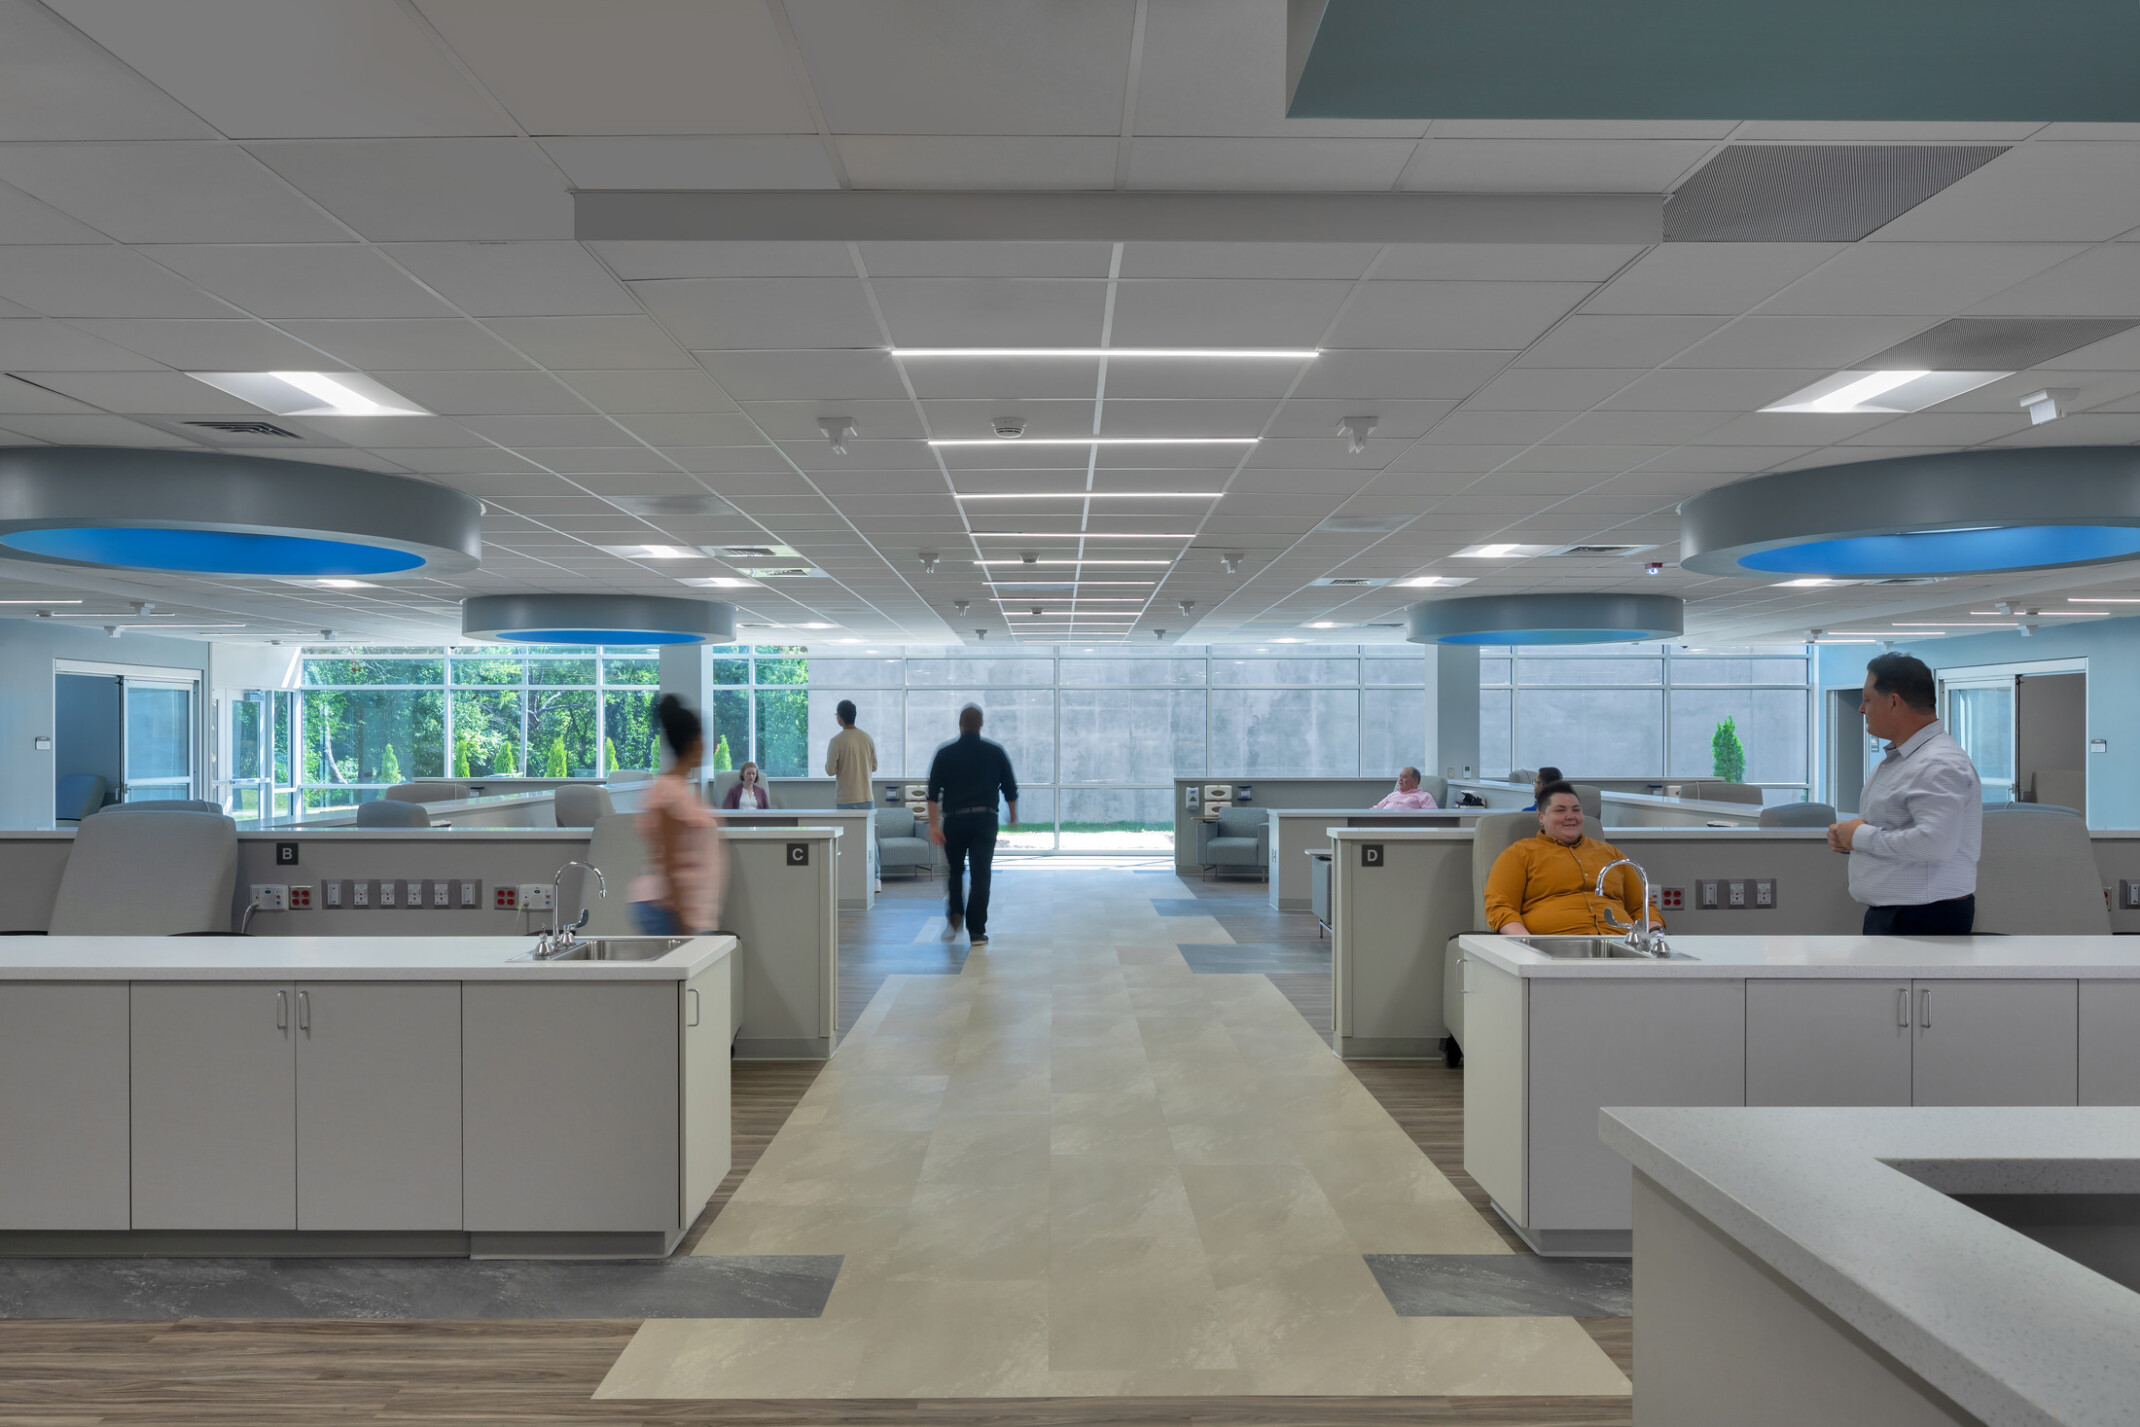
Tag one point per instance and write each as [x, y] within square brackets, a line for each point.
[137, 732]
[1852, 752]
[2025, 727]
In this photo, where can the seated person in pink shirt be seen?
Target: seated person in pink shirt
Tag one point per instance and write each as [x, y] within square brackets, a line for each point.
[1409, 794]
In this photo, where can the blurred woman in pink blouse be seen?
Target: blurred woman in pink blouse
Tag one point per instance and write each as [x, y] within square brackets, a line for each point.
[681, 893]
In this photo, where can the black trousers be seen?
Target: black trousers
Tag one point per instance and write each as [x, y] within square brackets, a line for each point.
[1950, 918]
[969, 836]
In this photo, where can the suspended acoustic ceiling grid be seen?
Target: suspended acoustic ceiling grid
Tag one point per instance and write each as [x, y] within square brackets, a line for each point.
[189, 195]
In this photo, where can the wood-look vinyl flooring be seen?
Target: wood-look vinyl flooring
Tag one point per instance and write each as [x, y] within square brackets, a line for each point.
[204, 1373]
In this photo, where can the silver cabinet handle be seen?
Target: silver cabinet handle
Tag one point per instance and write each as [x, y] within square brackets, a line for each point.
[692, 992]
[1924, 1008]
[304, 1012]
[1902, 1007]
[282, 1010]
[1463, 976]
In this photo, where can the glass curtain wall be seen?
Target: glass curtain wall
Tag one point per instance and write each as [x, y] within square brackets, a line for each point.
[1649, 711]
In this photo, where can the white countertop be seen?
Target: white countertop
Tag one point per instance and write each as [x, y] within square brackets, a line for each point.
[2012, 1331]
[1839, 957]
[327, 958]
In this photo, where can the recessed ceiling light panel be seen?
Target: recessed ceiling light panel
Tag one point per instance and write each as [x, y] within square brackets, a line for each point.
[1883, 392]
[1503, 550]
[293, 393]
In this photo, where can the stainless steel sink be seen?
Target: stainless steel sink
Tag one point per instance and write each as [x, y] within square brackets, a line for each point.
[1593, 948]
[615, 948]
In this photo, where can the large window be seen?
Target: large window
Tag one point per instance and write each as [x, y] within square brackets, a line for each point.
[1649, 711]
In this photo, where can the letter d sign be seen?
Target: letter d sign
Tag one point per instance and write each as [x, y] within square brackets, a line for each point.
[1370, 854]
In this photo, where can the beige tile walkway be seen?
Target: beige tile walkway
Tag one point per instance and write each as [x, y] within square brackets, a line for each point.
[1077, 1169]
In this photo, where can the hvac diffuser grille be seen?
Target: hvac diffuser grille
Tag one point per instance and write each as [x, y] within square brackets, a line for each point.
[247, 428]
[1813, 193]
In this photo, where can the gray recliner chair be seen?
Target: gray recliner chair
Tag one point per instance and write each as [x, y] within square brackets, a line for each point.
[1436, 784]
[76, 796]
[2039, 808]
[1240, 838]
[581, 805]
[382, 812]
[167, 805]
[428, 790]
[2038, 877]
[618, 850]
[1593, 801]
[1797, 815]
[903, 844]
[1492, 835]
[166, 876]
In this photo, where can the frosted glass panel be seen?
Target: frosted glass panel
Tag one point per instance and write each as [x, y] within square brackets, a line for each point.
[1301, 733]
[1770, 723]
[1131, 735]
[1598, 733]
[1393, 730]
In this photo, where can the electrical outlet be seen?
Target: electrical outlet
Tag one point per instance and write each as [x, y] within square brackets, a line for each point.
[535, 897]
[1671, 899]
[505, 899]
[270, 897]
[441, 895]
[412, 896]
[333, 895]
[1765, 893]
[387, 888]
[1707, 893]
[301, 898]
[2129, 894]
[360, 895]
[1736, 895]
[471, 895]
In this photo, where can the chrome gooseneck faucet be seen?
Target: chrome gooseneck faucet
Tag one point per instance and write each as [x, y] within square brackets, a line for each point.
[560, 939]
[1642, 936]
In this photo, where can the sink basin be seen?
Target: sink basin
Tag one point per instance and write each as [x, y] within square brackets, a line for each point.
[1592, 948]
[616, 948]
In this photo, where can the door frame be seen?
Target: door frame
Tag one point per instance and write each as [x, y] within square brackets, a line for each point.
[192, 679]
[1981, 676]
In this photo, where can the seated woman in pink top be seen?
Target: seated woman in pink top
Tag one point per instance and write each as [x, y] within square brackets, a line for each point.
[682, 892]
[1409, 794]
[748, 785]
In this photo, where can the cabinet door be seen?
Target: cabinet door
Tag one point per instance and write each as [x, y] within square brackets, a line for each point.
[379, 1105]
[1995, 1043]
[63, 1105]
[2110, 1043]
[215, 1105]
[1828, 1042]
[704, 1106]
[1496, 1060]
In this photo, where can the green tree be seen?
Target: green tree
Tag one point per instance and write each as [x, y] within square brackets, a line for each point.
[390, 767]
[463, 754]
[1727, 753]
[508, 760]
[556, 766]
[609, 755]
[723, 760]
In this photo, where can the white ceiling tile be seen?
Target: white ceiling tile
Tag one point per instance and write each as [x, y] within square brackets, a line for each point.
[1709, 278]
[512, 393]
[1732, 460]
[2119, 352]
[1490, 428]
[1505, 262]
[27, 392]
[1828, 342]
[1582, 129]
[1853, 131]
[2085, 429]
[1697, 389]
[1427, 374]
[413, 344]
[630, 260]
[692, 428]
[1550, 389]
[432, 431]
[757, 162]
[1247, 260]
[649, 389]
[989, 378]
[628, 66]
[1931, 278]
[580, 343]
[1198, 418]
[519, 432]
[970, 161]
[985, 312]
[1392, 417]
[2097, 283]
[1790, 428]
[595, 461]
[967, 66]
[2035, 192]
[24, 220]
[93, 431]
[302, 279]
[938, 259]
[718, 313]
[1225, 312]
[1477, 315]
[98, 280]
[1943, 428]
[1167, 378]
[516, 279]
[31, 344]
[55, 83]
[719, 463]
[422, 190]
[1451, 165]
[1631, 428]
[242, 345]
[1218, 67]
[292, 68]
[1255, 165]
[770, 375]
[1586, 341]
[131, 393]
[167, 192]
[454, 460]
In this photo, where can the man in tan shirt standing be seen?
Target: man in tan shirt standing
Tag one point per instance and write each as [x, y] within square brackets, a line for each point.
[850, 758]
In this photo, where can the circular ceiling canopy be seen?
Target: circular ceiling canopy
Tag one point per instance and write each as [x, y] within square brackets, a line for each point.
[597, 619]
[1955, 513]
[208, 513]
[1545, 619]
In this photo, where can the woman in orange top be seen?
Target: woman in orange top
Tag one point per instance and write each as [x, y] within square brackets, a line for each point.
[1543, 886]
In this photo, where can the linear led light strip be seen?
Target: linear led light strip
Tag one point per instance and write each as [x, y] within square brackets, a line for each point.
[1097, 441]
[40, 602]
[2058, 613]
[1087, 495]
[1080, 535]
[1115, 564]
[1215, 354]
[2070, 599]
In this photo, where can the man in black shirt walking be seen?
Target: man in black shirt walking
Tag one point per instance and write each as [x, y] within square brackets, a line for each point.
[964, 779]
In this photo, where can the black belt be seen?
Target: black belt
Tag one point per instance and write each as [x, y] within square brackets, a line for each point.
[962, 812]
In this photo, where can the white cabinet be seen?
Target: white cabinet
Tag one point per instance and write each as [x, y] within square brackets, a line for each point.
[2110, 1043]
[1995, 1042]
[1496, 1067]
[214, 1124]
[1828, 1042]
[379, 1105]
[63, 1105]
[703, 1105]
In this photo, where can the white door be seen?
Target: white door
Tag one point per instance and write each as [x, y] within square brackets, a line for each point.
[159, 739]
[1980, 714]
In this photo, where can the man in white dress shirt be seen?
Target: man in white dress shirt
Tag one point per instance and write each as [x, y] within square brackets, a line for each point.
[1914, 845]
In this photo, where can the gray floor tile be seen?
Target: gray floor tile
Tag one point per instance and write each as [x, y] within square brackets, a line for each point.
[755, 1286]
[1250, 957]
[1504, 1286]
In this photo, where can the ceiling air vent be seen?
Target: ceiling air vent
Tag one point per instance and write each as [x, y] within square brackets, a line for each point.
[1910, 580]
[1361, 582]
[247, 428]
[1813, 193]
[784, 572]
[1365, 524]
[1986, 344]
[750, 552]
[1599, 552]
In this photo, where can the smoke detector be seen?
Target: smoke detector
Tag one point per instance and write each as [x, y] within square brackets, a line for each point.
[1008, 428]
[1356, 430]
[837, 429]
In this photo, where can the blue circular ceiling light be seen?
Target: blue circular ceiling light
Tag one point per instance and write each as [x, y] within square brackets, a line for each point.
[210, 513]
[1956, 513]
[597, 619]
[1546, 619]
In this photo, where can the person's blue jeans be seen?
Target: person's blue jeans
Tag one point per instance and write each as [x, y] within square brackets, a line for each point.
[876, 866]
[654, 919]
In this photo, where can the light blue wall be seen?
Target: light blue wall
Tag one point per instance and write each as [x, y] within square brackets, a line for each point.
[2112, 648]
